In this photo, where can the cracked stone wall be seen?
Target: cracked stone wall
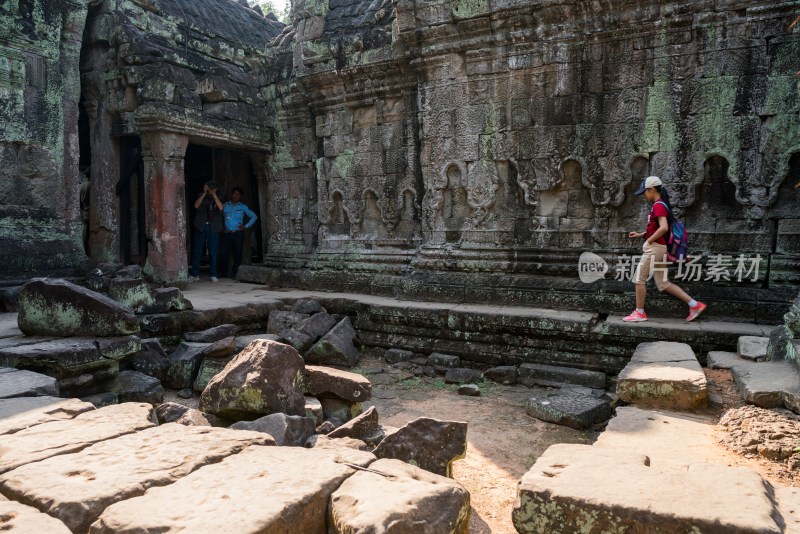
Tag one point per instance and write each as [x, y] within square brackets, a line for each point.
[40, 226]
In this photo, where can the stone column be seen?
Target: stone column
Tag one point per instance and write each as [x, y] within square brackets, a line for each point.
[104, 238]
[165, 207]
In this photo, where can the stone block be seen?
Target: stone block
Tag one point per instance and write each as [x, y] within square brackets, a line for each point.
[570, 409]
[462, 375]
[20, 413]
[574, 487]
[428, 443]
[532, 374]
[327, 381]
[286, 430]
[412, 500]
[752, 348]
[62, 437]
[663, 374]
[15, 383]
[443, 360]
[133, 386]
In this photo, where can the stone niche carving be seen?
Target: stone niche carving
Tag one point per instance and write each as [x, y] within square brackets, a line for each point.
[447, 204]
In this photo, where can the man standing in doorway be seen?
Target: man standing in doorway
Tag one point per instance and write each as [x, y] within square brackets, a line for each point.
[207, 226]
[234, 212]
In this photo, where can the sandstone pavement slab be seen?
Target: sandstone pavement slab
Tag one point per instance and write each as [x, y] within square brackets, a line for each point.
[23, 412]
[21, 383]
[76, 488]
[580, 488]
[61, 437]
[18, 518]
[668, 439]
[261, 489]
[413, 501]
[665, 375]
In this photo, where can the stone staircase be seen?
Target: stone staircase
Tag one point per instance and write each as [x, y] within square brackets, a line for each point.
[653, 469]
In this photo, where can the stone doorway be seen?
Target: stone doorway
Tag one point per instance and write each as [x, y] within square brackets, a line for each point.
[229, 169]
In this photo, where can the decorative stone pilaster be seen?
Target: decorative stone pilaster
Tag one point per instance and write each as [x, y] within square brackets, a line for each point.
[165, 207]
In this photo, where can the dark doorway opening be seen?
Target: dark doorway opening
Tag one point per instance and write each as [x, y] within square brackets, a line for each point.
[84, 167]
[130, 190]
[229, 169]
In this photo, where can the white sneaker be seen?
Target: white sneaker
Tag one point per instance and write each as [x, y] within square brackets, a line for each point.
[214, 279]
[194, 279]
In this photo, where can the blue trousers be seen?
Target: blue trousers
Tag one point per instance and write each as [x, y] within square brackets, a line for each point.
[206, 236]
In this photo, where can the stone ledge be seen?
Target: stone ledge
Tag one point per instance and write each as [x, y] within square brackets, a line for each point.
[663, 375]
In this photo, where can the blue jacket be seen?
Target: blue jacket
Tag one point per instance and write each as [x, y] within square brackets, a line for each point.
[234, 216]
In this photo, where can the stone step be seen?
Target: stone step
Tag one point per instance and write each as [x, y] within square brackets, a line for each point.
[486, 335]
[665, 375]
[77, 488]
[651, 467]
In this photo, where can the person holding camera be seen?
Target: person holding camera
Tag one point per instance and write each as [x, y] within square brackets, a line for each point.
[207, 226]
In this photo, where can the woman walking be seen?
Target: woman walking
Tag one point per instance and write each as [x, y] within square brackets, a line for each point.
[654, 251]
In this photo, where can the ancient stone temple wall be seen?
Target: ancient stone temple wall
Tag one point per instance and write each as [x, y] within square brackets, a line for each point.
[40, 226]
[488, 144]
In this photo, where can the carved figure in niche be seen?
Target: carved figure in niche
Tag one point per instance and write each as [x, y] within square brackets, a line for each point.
[482, 192]
[455, 207]
[389, 216]
[408, 224]
[526, 179]
[630, 213]
[339, 221]
[654, 252]
[372, 221]
[787, 198]
[714, 198]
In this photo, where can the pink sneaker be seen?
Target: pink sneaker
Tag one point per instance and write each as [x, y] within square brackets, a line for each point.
[635, 317]
[695, 311]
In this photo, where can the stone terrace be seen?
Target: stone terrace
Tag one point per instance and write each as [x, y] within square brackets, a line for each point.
[484, 335]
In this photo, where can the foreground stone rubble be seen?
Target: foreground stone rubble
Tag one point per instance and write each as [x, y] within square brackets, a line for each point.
[68, 467]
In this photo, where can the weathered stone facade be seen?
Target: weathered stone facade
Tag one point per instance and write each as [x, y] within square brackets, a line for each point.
[463, 150]
[477, 148]
[40, 225]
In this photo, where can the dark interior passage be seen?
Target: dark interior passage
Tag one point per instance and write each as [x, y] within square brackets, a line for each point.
[229, 169]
